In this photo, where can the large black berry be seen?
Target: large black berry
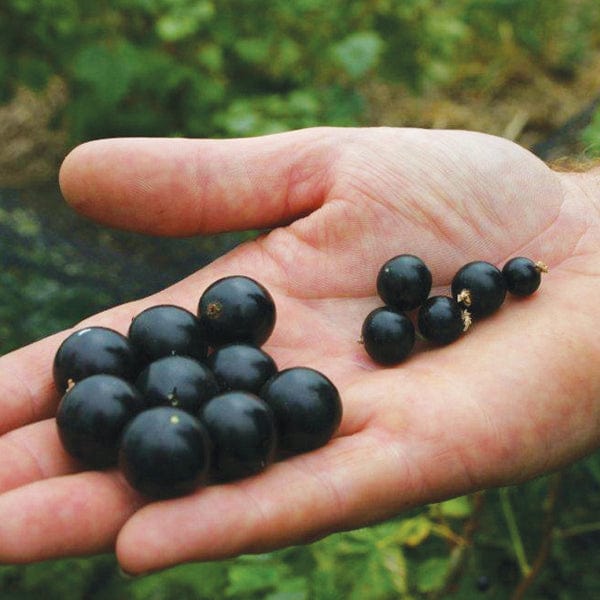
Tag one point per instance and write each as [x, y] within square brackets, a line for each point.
[177, 381]
[92, 415]
[404, 282]
[165, 452]
[91, 351]
[237, 309]
[523, 276]
[242, 430]
[441, 320]
[480, 287]
[165, 330]
[307, 408]
[388, 335]
[241, 367]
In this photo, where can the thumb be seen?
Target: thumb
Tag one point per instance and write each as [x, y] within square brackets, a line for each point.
[179, 187]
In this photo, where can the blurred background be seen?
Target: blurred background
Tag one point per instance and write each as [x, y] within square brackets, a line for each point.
[527, 70]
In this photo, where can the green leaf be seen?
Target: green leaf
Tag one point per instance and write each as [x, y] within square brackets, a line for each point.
[431, 574]
[253, 50]
[203, 580]
[456, 508]
[184, 22]
[359, 52]
[372, 580]
[109, 71]
[591, 136]
[292, 588]
[211, 57]
[256, 577]
[172, 28]
[395, 564]
[409, 532]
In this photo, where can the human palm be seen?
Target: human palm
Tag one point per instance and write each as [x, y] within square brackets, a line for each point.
[515, 397]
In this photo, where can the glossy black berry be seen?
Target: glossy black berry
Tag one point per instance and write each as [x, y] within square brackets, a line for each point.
[404, 282]
[388, 335]
[523, 276]
[307, 408]
[166, 330]
[165, 452]
[242, 430]
[441, 320]
[241, 367]
[177, 381]
[92, 415]
[480, 287]
[237, 309]
[91, 351]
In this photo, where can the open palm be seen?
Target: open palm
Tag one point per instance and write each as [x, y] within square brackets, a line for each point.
[515, 397]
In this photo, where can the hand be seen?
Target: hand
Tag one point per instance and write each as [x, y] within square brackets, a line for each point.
[516, 397]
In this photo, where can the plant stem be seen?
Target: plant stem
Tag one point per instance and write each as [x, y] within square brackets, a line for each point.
[547, 537]
[513, 530]
[578, 530]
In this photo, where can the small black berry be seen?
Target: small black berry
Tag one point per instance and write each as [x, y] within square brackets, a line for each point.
[92, 415]
[241, 367]
[237, 309]
[523, 276]
[404, 282]
[480, 287]
[307, 408]
[242, 430]
[165, 452]
[91, 351]
[177, 381]
[388, 335]
[165, 330]
[441, 320]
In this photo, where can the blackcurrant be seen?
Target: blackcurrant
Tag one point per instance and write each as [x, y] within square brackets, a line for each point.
[404, 282]
[165, 330]
[441, 320]
[242, 430]
[237, 309]
[241, 367]
[165, 452]
[177, 381]
[92, 415]
[388, 335]
[480, 287]
[523, 276]
[91, 351]
[307, 408]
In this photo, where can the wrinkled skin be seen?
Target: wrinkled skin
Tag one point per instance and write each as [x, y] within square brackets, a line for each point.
[516, 397]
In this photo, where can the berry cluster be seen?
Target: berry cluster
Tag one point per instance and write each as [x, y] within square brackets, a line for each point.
[404, 283]
[186, 399]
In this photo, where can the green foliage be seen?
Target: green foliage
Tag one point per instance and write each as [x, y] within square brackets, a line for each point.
[439, 551]
[591, 136]
[245, 67]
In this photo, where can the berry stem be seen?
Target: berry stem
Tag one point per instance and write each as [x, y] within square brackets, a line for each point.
[541, 267]
[464, 298]
[467, 320]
